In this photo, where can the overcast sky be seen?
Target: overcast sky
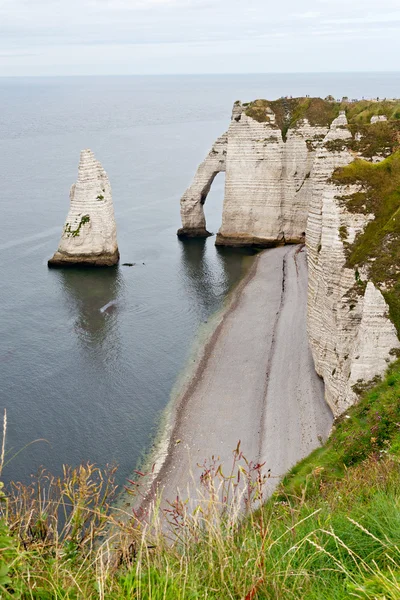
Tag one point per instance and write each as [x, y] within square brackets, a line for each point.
[74, 37]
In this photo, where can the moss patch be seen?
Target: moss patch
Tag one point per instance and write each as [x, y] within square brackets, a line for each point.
[377, 139]
[75, 232]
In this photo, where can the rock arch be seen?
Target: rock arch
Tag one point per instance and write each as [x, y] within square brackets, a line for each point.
[192, 201]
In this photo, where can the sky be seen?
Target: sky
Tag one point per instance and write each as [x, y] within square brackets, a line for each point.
[118, 37]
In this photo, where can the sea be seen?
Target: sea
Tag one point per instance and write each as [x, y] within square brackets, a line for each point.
[82, 384]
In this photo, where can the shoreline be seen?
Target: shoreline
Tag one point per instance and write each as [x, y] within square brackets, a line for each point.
[254, 381]
[156, 456]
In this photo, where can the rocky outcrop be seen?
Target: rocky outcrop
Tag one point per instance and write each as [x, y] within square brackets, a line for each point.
[280, 158]
[89, 236]
[192, 212]
[376, 339]
[378, 119]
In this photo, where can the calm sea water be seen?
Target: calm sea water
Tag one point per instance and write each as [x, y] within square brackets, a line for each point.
[94, 384]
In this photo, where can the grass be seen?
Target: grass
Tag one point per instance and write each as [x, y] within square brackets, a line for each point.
[331, 531]
[361, 112]
[289, 111]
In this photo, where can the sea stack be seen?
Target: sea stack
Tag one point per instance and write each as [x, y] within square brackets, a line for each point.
[89, 237]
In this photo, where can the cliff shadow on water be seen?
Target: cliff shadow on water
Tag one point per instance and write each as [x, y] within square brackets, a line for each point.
[207, 284]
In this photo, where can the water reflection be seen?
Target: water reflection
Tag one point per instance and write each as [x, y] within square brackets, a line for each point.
[210, 272]
[197, 274]
[234, 262]
[94, 297]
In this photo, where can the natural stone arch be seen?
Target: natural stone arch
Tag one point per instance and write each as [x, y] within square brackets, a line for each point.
[192, 201]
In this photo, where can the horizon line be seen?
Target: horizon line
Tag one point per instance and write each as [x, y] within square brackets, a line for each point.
[273, 73]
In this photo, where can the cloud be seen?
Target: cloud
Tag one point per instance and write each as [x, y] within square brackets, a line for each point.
[310, 14]
[301, 29]
[366, 19]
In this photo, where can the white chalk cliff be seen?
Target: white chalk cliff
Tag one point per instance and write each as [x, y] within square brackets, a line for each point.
[350, 334]
[89, 237]
[278, 189]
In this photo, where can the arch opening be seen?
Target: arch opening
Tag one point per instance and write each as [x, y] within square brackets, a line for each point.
[215, 201]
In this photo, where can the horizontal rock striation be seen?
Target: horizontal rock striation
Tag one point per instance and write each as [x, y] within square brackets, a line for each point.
[89, 236]
[280, 159]
[267, 182]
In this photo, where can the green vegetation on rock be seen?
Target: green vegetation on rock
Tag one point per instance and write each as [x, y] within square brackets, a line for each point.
[378, 246]
[289, 111]
[75, 232]
[376, 139]
[362, 111]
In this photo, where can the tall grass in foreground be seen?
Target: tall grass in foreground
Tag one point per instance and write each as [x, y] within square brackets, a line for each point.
[332, 530]
[346, 544]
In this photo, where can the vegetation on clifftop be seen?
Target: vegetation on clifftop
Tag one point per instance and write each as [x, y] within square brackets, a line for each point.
[362, 111]
[289, 111]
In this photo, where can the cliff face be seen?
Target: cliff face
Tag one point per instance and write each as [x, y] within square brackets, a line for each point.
[260, 165]
[282, 185]
[89, 236]
[349, 330]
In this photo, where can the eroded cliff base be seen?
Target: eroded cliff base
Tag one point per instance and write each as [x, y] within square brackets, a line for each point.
[61, 259]
[195, 232]
[241, 241]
